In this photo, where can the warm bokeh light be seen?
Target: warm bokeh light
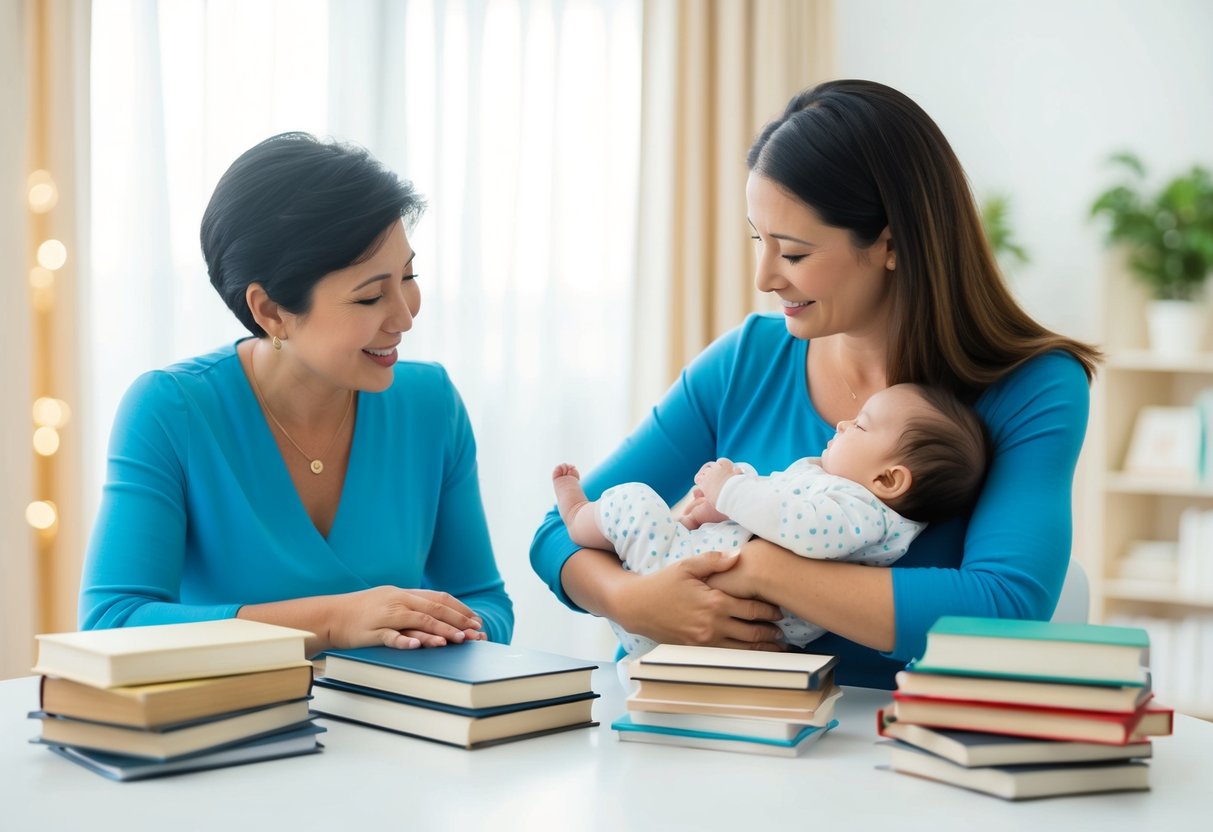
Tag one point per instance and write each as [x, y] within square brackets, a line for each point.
[51, 412]
[41, 514]
[52, 254]
[40, 278]
[46, 441]
[43, 195]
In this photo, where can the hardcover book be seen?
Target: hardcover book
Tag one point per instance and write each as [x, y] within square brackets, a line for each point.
[291, 743]
[975, 749]
[1027, 721]
[165, 703]
[650, 711]
[727, 666]
[168, 652]
[172, 741]
[1022, 782]
[1037, 650]
[1022, 692]
[475, 674]
[730, 700]
[453, 725]
[629, 731]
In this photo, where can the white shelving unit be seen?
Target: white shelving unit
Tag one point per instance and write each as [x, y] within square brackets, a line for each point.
[1122, 508]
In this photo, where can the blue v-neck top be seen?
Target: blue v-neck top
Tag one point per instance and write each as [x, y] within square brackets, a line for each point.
[199, 514]
[746, 397]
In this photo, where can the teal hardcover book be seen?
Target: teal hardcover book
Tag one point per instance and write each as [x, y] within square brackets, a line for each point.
[1088, 654]
[475, 674]
[629, 731]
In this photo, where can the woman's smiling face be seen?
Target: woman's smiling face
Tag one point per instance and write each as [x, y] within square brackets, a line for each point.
[826, 284]
[349, 336]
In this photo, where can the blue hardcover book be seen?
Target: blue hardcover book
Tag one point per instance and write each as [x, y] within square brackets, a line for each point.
[628, 731]
[451, 724]
[472, 713]
[291, 743]
[475, 674]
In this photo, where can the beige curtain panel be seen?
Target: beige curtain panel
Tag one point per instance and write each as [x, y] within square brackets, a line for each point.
[44, 149]
[715, 71]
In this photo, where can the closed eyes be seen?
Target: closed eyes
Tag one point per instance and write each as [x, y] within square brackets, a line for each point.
[377, 298]
[791, 258]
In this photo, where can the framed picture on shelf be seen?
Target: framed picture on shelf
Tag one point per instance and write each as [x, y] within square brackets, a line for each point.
[1165, 444]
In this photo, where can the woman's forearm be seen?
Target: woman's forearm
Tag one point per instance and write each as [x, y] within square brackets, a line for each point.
[595, 581]
[311, 614]
[849, 599]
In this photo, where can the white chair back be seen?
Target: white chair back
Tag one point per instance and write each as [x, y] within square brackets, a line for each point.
[1074, 605]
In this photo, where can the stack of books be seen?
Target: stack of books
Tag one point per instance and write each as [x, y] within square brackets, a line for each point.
[730, 700]
[469, 695]
[139, 702]
[1025, 709]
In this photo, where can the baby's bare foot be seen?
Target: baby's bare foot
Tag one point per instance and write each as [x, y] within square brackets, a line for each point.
[566, 481]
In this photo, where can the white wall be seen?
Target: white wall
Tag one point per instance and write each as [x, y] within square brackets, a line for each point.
[1034, 95]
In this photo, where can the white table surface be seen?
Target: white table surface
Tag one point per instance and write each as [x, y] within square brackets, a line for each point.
[583, 779]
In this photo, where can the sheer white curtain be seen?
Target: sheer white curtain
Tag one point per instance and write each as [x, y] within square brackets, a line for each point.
[519, 122]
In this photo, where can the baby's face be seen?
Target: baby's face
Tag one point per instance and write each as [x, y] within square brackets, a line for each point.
[863, 448]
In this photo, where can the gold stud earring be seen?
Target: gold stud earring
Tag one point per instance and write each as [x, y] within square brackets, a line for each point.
[277, 342]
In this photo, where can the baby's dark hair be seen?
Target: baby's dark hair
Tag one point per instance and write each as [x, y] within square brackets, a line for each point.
[948, 449]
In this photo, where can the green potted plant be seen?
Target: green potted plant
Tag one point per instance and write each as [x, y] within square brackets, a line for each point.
[1169, 235]
[996, 220]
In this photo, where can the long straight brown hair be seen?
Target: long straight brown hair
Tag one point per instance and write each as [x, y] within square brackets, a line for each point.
[865, 157]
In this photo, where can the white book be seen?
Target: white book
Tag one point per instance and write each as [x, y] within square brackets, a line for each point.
[727, 666]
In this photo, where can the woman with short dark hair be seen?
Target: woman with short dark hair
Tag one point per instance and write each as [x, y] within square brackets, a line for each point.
[868, 234]
[301, 476]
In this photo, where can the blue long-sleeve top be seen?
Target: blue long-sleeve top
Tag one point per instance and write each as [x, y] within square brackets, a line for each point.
[199, 515]
[745, 397]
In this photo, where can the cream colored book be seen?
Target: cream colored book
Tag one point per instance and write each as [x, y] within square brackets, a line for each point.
[808, 707]
[168, 652]
[751, 726]
[464, 727]
[1022, 692]
[726, 666]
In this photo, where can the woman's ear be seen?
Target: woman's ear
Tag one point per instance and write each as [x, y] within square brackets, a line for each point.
[890, 251]
[268, 314]
[891, 483]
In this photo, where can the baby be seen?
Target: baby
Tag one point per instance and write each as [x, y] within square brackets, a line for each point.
[913, 455]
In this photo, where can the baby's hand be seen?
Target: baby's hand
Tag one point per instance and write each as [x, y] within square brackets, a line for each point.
[700, 511]
[712, 477]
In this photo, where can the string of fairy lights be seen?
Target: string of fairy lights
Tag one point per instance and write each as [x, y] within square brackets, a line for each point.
[50, 414]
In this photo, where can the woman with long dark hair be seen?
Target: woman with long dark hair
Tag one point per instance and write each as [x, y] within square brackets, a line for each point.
[869, 235]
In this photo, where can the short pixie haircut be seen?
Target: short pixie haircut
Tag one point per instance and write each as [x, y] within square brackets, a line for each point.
[292, 209]
[948, 450]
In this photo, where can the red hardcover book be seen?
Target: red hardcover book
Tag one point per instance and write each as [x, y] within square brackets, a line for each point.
[1030, 721]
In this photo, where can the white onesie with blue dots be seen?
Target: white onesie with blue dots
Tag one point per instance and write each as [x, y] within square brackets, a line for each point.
[802, 508]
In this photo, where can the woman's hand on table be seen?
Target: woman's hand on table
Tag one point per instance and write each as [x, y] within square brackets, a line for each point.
[401, 618]
[678, 605]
